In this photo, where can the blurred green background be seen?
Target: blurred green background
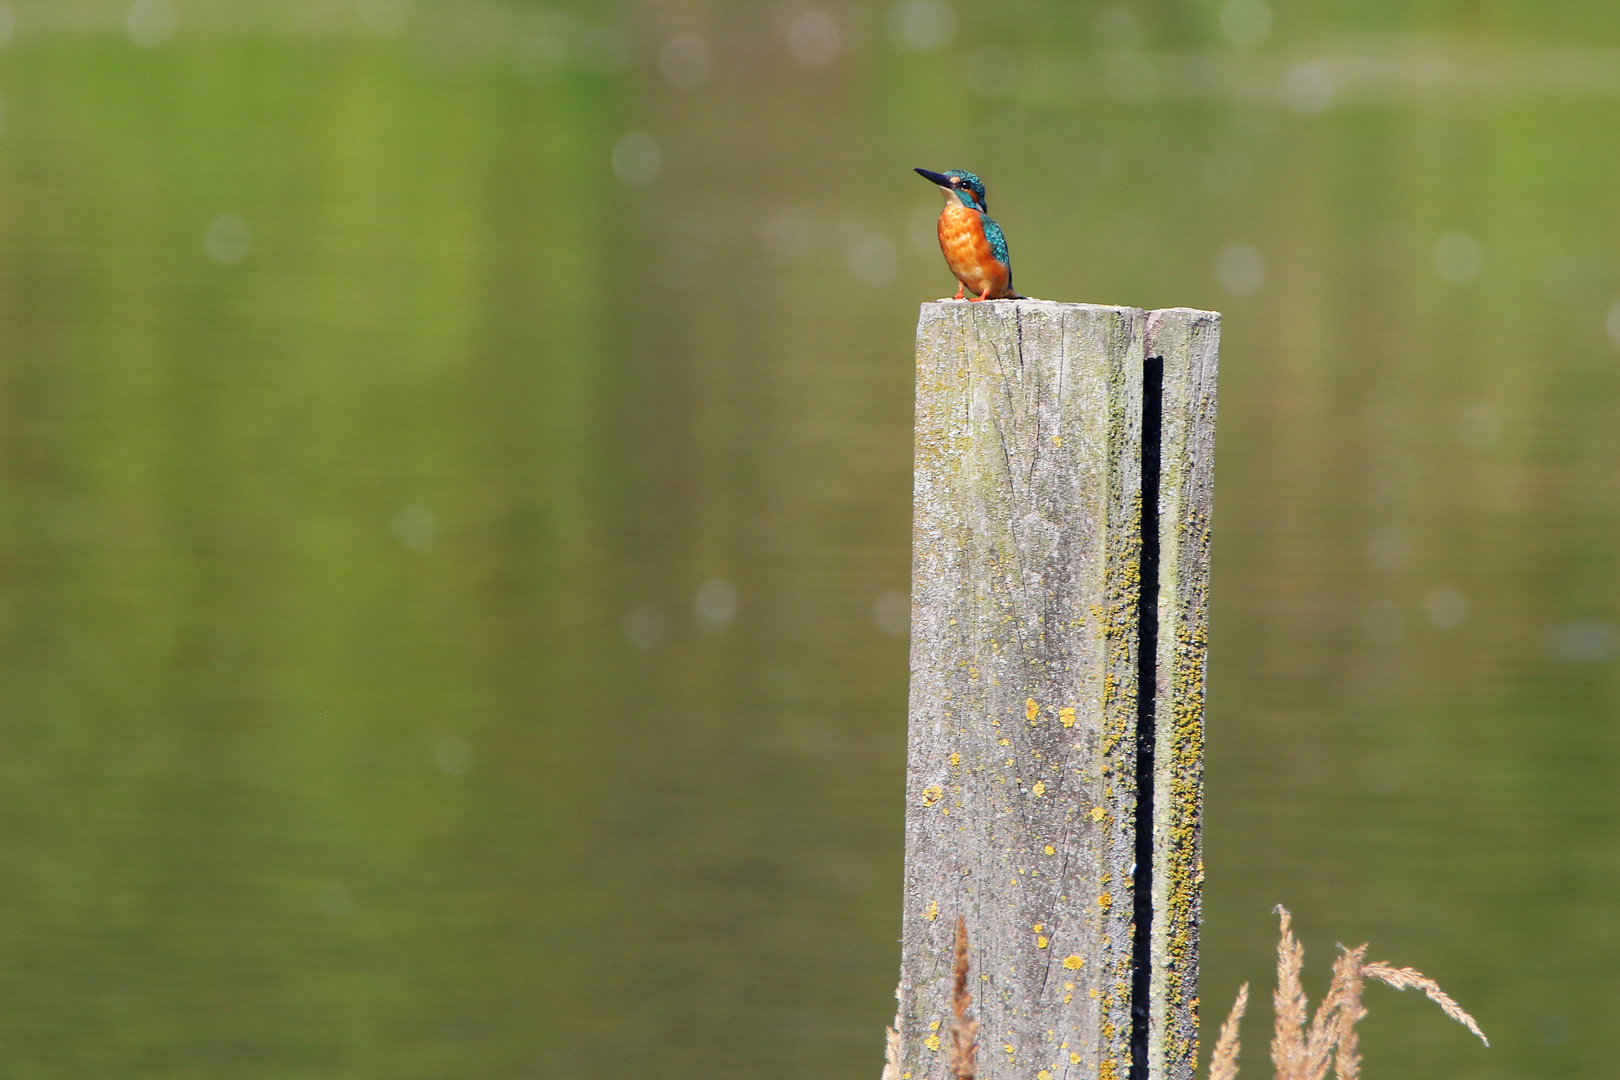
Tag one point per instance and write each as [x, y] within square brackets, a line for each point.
[455, 503]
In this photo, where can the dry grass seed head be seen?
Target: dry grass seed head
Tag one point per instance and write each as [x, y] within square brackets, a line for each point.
[1324, 1033]
[891, 1043]
[891, 1051]
[1402, 978]
[1346, 1056]
[1302, 1055]
[1223, 1065]
[1288, 1038]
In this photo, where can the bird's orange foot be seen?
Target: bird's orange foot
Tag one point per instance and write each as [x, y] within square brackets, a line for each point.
[959, 288]
[976, 299]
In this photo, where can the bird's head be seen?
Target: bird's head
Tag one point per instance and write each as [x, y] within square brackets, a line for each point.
[958, 184]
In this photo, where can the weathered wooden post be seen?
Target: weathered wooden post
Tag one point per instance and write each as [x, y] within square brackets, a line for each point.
[1060, 561]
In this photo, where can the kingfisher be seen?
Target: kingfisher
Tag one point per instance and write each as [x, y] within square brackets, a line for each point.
[975, 247]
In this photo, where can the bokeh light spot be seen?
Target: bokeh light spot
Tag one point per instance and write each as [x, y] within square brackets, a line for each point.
[227, 239]
[1611, 324]
[1246, 23]
[416, 528]
[814, 38]
[1581, 641]
[637, 159]
[1446, 607]
[1130, 77]
[334, 899]
[601, 50]
[1478, 426]
[1388, 549]
[685, 61]
[453, 755]
[644, 628]
[1457, 257]
[1115, 28]
[992, 70]
[1307, 88]
[873, 260]
[1240, 268]
[151, 22]
[789, 236]
[384, 16]
[548, 41]
[717, 602]
[922, 25]
[891, 613]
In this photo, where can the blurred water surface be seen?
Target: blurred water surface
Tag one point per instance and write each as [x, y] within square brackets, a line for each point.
[455, 491]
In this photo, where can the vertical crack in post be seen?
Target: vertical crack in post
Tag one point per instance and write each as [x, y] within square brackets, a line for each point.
[1147, 653]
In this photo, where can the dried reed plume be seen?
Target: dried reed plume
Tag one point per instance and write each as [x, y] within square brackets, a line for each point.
[1347, 1058]
[964, 1031]
[1302, 1053]
[1287, 1038]
[1223, 1066]
[1402, 978]
[891, 1051]
[891, 1044]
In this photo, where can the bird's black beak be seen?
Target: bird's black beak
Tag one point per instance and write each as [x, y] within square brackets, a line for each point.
[939, 178]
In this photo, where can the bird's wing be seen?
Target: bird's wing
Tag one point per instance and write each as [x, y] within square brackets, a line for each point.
[998, 241]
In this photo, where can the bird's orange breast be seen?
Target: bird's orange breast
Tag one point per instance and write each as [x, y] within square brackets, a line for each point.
[968, 253]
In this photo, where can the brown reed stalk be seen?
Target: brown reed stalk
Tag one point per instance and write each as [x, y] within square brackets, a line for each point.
[1402, 978]
[1346, 1055]
[964, 1030]
[1223, 1065]
[1288, 1036]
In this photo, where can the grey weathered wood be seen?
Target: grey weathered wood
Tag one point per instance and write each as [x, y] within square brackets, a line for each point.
[1021, 785]
[1188, 341]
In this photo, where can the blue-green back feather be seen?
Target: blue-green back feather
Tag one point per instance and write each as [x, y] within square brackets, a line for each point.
[998, 241]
